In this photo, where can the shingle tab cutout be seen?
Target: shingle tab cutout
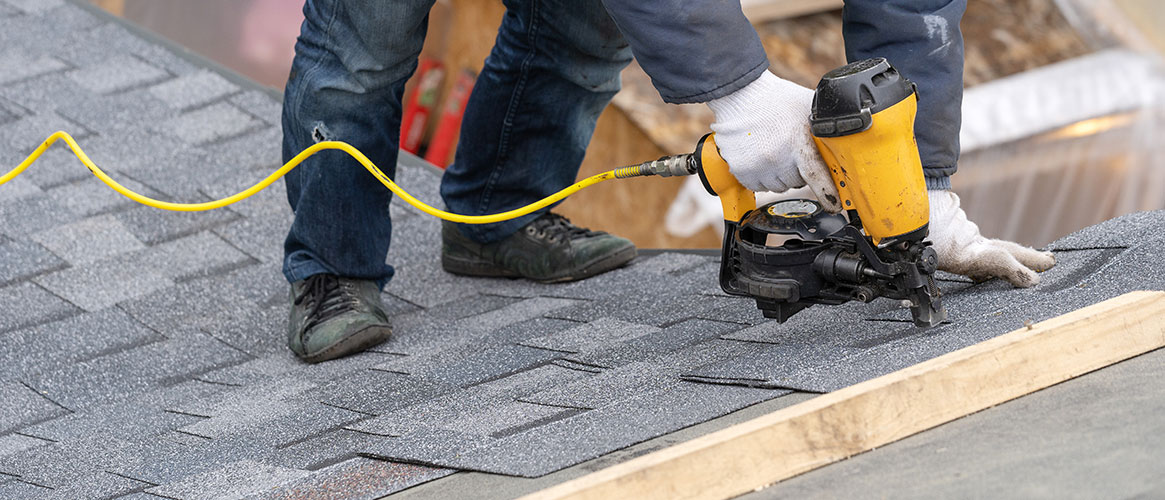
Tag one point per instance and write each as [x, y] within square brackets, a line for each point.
[145, 350]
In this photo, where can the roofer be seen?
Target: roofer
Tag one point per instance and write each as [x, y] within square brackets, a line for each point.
[554, 66]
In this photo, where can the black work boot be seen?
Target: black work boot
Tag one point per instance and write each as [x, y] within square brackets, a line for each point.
[333, 317]
[549, 249]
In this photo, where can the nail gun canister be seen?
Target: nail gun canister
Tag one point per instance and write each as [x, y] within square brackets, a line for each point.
[863, 124]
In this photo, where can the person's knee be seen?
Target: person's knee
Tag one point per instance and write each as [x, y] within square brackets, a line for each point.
[360, 46]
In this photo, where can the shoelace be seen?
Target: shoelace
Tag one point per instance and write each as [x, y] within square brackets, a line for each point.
[558, 226]
[325, 299]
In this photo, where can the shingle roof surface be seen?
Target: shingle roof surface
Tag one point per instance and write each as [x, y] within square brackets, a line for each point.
[142, 352]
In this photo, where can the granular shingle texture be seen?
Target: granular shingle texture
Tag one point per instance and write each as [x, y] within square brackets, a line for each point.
[142, 353]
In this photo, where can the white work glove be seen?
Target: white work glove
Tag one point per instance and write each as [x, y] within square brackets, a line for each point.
[962, 250]
[763, 133]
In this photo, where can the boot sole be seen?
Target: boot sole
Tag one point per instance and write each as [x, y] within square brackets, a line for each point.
[357, 342]
[484, 269]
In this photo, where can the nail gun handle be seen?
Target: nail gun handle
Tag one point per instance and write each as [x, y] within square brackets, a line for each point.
[735, 199]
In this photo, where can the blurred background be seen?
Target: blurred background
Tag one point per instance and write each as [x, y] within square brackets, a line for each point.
[1064, 107]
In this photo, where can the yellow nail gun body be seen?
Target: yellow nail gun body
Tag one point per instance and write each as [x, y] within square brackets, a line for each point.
[863, 124]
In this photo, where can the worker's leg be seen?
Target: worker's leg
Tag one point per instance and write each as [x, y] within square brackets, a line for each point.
[351, 63]
[554, 67]
[923, 40]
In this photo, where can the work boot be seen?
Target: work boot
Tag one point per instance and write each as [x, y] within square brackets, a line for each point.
[333, 317]
[549, 249]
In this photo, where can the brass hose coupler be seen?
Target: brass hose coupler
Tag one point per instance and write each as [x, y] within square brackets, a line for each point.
[667, 166]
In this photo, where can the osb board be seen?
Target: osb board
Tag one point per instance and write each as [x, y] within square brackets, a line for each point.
[1002, 37]
[632, 208]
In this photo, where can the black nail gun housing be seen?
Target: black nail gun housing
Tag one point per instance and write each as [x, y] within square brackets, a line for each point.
[823, 260]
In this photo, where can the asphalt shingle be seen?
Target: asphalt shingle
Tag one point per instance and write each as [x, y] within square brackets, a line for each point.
[23, 406]
[89, 240]
[24, 259]
[194, 90]
[215, 122]
[16, 65]
[27, 304]
[118, 74]
[235, 481]
[356, 479]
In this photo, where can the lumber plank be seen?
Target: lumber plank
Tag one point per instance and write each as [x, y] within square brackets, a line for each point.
[856, 419]
[760, 11]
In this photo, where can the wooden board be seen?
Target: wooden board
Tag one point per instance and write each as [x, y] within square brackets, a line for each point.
[759, 11]
[862, 417]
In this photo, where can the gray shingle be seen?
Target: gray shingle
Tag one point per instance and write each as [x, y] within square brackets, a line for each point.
[154, 226]
[1121, 231]
[72, 17]
[471, 364]
[85, 336]
[261, 104]
[119, 376]
[197, 255]
[56, 167]
[97, 484]
[26, 304]
[139, 418]
[113, 40]
[89, 240]
[26, 134]
[235, 481]
[193, 90]
[378, 392]
[33, 214]
[24, 259]
[598, 332]
[16, 65]
[15, 443]
[213, 123]
[657, 345]
[118, 74]
[17, 189]
[356, 478]
[90, 197]
[35, 6]
[116, 115]
[322, 450]
[20, 489]
[670, 262]
[418, 417]
[102, 284]
[8, 10]
[23, 406]
[232, 308]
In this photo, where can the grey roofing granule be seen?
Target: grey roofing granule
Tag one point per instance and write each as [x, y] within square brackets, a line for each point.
[194, 90]
[89, 240]
[24, 259]
[356, 478]
[117, 74]
[16, 65]
[218, 121]
[26, 304]
[23, 406]
[234, 481]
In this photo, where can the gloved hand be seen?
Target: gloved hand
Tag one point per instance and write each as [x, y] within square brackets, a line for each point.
[763, 133]
[962, 250]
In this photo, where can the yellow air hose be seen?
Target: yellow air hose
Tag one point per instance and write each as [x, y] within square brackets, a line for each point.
[620, 173]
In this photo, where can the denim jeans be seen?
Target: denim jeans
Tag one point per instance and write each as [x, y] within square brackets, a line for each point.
[922, 39]
[554, 67]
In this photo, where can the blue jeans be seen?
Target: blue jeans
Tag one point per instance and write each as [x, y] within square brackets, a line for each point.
[921, 38]
[554, 67]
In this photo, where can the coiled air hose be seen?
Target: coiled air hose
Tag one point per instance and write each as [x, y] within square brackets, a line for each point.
[666, 166]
